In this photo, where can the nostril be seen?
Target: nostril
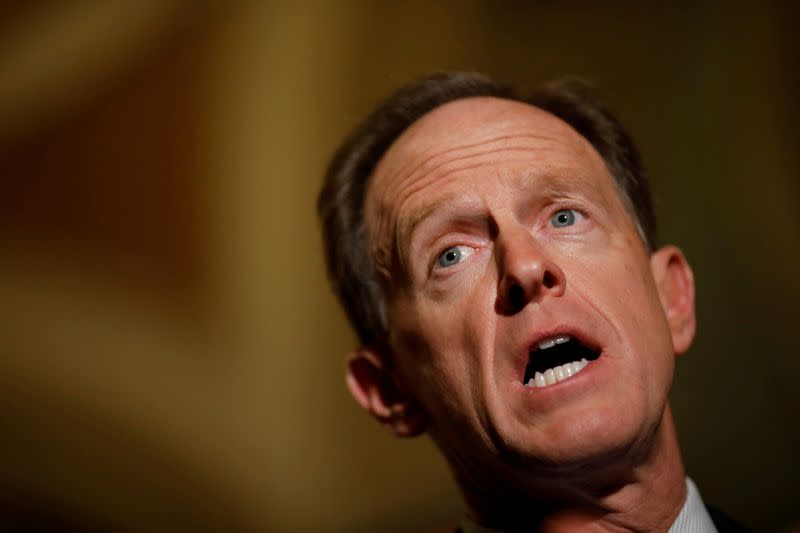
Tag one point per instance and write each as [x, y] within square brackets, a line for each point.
[516, 297]
[549, 281]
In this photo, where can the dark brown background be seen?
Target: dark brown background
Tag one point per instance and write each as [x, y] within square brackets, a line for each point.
[171, 355]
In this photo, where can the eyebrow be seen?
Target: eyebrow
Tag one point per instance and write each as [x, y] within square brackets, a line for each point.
[447, 207]
[408, 226]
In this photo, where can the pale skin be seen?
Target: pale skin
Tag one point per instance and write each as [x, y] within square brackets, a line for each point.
[495, 225]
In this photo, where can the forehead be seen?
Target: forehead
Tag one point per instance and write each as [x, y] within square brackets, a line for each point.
[469, 121]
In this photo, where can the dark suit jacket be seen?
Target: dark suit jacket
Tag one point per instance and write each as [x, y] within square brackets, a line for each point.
[723, 522]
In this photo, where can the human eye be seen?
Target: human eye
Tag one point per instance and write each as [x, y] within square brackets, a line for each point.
[564, 218]
[453, 256]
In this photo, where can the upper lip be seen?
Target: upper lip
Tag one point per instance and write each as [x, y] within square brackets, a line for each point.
[549, 333]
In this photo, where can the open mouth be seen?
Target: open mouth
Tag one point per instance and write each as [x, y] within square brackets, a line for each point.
[556, 359]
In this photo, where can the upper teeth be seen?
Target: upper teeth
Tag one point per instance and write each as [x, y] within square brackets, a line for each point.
[549, 343]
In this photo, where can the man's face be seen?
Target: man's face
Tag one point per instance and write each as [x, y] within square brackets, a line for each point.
[500, 228]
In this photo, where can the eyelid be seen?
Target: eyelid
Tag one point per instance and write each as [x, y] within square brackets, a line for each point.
[560, 204]
[578, 208]
[579, 214]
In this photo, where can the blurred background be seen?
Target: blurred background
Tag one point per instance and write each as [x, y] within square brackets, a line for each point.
[171, 356]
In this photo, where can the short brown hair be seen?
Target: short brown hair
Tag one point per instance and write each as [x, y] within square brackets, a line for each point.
[340, 204]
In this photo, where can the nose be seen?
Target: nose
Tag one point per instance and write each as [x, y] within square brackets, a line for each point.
[526, 271]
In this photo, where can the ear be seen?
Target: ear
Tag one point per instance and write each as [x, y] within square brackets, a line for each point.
[372, 384]
[675, 285]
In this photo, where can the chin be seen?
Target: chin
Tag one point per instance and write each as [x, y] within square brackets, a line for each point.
[592, 439]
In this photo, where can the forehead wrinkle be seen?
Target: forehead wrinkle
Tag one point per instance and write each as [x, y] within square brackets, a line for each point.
[432, 173]
[427, 162]
[440, 173]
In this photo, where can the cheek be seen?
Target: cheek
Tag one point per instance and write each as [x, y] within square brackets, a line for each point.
[642, 323]
[621, 288]
[426, 346]
[644, 302]
[440, 345]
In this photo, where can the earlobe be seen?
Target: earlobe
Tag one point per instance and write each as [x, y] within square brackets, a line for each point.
[675, 285]
[371, 383]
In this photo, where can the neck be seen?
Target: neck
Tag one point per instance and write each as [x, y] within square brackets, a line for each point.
[645, 493]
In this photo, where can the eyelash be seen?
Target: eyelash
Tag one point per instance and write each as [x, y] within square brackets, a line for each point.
[556, 208]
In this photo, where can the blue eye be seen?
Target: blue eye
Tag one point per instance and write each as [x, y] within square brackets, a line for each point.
[452, 256]
[564, 218]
